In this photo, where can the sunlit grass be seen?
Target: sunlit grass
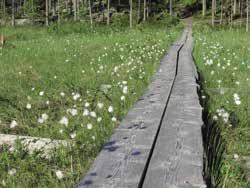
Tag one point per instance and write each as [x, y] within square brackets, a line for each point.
[223, 58]
[75, 86]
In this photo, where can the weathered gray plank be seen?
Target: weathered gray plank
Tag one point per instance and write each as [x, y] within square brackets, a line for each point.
[122, 160]
[177, 157]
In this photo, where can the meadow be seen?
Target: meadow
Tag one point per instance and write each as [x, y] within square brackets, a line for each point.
[223, 58]
[70, 84]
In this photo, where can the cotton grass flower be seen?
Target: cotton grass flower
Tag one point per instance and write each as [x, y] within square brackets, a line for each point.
[73, 135]
[93, 114]
[89, 126]
[3, 183]
[28, 106]
[236, 99]
[100, 105]
[76, 96]
[62, 94]
[40, 120]
[44, 117]
[99, 119]
[125, 90]
[41, 93]
[72, 111]
[85, 112]
[236, 156]
[215, 118]
[13, 124]
[59, 174]
[110, 109]
[114, 119]
[86, 104]
[12, 172]
[64, 121]
[122, 98]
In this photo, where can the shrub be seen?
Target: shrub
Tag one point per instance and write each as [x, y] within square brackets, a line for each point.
[164, 18]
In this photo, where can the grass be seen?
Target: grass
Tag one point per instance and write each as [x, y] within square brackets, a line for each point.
[223, 59]
[71, 84]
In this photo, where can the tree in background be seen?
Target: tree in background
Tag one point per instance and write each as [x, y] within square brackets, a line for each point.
[90, 14]
[213, 11]
[204, 7]
[247, 20]
[144, 10]
[47, 12]
[131, 13]
[108, 12]
[171, 7]
[51, 11]
[13, 11]
[139, 11]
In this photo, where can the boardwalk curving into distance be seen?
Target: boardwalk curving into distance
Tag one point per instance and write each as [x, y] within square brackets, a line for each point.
[159, 143]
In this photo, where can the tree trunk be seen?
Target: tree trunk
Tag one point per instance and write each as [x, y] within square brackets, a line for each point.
[84, 4]
[13, 13]
[171, 7]
[54, 8]
[131, 14]
[71, 4]
[139, 11]
[78, 9]
[24, 10]
[108, 12]
[50, 5]
[66, 6]
[241, 14]
[215, 7]
[59, 15]
[231, 15]
[204, 7]
[47, 12]
[247, 24]
[147, 15]
[4, 8]
[213, 3]
[32, 5]
[235, 6]
[75, 9]
[90, 15]
[144, 10]
[148, 8]
[221, 13]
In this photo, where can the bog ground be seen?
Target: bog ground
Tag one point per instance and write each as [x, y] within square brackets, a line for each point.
[223, 58]
[127, 93]
[74, 87]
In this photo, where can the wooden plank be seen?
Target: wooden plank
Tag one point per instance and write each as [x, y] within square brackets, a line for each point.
[177, 157]
[122, 160]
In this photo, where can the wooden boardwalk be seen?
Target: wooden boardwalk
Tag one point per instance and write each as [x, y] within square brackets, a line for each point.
[159, 143]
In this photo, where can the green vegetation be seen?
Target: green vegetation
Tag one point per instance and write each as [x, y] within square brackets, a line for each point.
[71, 84]
[223, 59]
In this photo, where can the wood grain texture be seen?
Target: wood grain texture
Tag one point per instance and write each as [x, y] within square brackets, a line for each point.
[177, 157]
[159, 143]
[122, 161]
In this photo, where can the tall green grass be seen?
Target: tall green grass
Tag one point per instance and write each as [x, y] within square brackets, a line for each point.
[73, 84]
[223, 59]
